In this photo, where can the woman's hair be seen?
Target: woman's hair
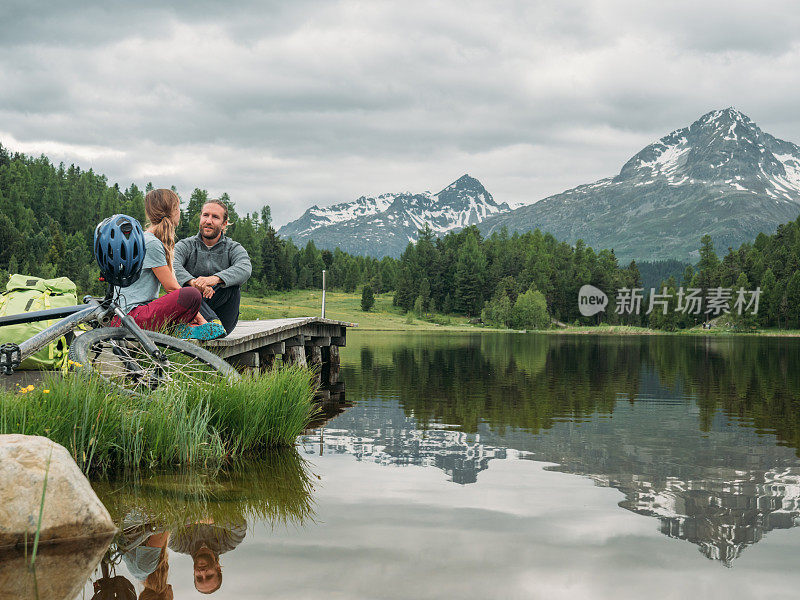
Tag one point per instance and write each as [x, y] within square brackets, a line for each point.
[156, 586]
[159, 205]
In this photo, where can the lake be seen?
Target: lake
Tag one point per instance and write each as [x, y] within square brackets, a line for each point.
[497, 465]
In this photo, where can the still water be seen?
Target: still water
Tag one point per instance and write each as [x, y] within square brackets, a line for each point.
[502, 466]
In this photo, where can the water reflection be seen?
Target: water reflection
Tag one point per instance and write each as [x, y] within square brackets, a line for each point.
[700, 433]
[59, 572]
[203, 516]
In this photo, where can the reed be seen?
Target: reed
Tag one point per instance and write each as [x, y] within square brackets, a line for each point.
[202, 425]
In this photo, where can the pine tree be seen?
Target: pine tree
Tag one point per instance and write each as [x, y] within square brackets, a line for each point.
[470, 276]
[367, 298]
[424, 295]
[769, 302]
[793, 301]
[708, 266]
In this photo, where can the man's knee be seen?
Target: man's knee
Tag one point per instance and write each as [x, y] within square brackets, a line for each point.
[189, 298]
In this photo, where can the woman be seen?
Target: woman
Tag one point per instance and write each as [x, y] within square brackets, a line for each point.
[179, 305]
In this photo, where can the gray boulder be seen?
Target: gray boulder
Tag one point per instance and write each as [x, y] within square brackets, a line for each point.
[71, 508]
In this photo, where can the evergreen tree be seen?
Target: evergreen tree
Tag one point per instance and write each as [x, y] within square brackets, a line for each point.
[424, 296]
[793, 301]
[769, 302]
[367, 298]
[470, 276]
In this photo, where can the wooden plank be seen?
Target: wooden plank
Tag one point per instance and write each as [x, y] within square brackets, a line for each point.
[254, 336]
[247, 330]
[253, 344]
[274, 348]
[296, 340]
[245, 360]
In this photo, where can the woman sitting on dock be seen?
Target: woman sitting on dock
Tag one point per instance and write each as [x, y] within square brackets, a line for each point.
[180, 305]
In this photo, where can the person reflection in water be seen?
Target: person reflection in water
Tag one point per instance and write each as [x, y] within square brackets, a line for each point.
[156, 586]
[144, 550]
[205, 541]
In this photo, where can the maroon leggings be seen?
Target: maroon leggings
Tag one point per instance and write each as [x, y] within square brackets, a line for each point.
[179, 306]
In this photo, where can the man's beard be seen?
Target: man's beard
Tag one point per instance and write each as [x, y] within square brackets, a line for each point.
[215, 232]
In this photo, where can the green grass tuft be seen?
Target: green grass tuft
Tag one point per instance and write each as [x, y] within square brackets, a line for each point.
[176, 426]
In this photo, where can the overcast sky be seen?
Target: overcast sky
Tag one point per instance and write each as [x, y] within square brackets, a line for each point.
[311, 102]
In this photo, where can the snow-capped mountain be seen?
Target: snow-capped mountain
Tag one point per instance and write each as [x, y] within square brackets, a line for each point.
[722, 175]
[385, 225]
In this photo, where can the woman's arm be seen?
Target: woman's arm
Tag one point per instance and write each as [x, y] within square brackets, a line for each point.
[167, 278]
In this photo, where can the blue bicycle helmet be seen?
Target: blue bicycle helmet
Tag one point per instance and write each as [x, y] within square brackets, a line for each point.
[119, 249]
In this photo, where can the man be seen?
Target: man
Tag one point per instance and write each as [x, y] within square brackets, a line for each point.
[215, 265]
[205, 540]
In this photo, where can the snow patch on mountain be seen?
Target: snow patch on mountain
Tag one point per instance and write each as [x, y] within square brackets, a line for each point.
[721, 175]
[463, 203]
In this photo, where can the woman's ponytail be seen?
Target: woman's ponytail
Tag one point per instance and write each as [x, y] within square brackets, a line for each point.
[159, 206]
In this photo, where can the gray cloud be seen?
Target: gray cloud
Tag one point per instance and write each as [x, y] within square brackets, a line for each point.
[320, 102]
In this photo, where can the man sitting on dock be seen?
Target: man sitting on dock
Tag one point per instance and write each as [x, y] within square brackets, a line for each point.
[215, 265]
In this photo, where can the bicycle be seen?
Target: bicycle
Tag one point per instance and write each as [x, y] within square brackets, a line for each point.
[133, 360]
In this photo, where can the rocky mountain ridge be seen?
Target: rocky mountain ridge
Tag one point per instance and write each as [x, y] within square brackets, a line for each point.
[384, 225]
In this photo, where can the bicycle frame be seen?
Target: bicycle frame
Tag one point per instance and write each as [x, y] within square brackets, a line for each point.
[11, 355]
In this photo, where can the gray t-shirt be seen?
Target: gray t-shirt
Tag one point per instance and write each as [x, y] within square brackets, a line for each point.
[145, 288]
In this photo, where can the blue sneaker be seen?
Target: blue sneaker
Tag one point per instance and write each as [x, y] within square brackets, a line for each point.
[207, 331]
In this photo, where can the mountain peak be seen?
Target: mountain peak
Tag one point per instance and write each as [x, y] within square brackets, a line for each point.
[725, 115]
[465, 182]
[721, 146]
[385, 225]
[721, 175]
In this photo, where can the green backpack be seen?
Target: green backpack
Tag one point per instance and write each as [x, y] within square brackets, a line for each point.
[26, 294]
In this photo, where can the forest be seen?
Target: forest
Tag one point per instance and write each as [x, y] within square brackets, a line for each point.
[49, 213]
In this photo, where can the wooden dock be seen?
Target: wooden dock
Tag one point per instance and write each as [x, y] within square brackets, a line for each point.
[307, 341]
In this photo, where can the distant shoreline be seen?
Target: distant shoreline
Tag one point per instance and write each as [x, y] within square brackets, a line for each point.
[697, 332]
[384, 316]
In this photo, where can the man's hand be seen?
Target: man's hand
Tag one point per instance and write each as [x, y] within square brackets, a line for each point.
[210, 281]
[205, 284]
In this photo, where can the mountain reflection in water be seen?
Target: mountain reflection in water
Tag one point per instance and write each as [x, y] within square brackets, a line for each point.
[701, 433]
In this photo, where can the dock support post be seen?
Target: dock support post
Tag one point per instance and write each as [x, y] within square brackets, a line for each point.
[296, 355]
[333, 365]
[314, 358]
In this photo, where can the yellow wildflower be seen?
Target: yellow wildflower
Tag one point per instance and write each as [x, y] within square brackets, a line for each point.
[29, 388]
[45, 391]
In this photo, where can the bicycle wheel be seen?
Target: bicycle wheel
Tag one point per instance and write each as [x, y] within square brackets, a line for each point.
[116, 355]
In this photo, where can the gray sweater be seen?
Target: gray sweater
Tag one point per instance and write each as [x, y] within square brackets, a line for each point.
[226, 259]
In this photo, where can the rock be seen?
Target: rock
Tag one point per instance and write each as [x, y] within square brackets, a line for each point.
[61, 570]
[71, 508]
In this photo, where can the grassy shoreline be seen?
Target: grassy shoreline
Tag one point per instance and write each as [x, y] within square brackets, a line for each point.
[183, 426]
[694, 331]
[345, 306]
[386, 317]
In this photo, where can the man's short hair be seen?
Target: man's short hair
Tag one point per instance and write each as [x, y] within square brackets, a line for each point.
[224, 206]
